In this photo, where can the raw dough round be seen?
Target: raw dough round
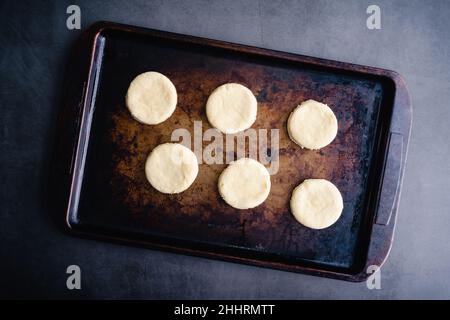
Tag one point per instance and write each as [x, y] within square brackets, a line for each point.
[151, 98]
[171, 168]
[316, 203]
[312, 125]
[244, 184]
[231, 108]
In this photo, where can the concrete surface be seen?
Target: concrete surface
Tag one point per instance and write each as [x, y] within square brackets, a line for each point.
[34, 42]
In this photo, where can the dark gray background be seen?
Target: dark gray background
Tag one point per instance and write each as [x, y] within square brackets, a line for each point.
[34, 43]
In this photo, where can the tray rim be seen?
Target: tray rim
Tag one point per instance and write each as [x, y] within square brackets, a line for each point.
[381, 236]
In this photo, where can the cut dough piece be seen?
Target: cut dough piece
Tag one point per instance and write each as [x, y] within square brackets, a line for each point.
[316, 203]
[312, 125]
[151, 98]
[244, 184]
[171, 168]
[231, 108]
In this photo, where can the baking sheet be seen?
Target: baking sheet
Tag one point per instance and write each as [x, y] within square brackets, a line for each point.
[114, 198]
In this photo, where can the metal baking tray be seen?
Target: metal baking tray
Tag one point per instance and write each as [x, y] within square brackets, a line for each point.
[101, 151]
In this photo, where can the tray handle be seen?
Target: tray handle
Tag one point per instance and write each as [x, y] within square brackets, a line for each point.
[384, 222]
[391, 179]
[383, 225]
[68, 125]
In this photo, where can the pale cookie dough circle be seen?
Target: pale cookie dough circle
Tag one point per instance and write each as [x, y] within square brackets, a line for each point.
[151, 98]
[312, 125]
[316, 203]
[171, 168]
[231, 108]
[244, 184]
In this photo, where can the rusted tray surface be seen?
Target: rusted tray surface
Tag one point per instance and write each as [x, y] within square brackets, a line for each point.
[103, 151]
